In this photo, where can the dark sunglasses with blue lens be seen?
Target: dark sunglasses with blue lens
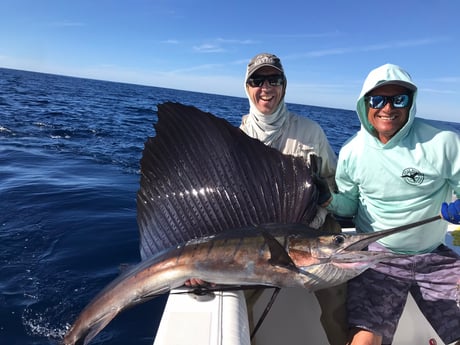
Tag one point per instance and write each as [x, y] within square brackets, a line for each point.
[398, 101]
[259, 80]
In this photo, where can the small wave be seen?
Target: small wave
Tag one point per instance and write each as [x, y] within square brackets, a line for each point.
[140, 110]
[38, 325]
[41, 124]
[5, 130]
[60, 136]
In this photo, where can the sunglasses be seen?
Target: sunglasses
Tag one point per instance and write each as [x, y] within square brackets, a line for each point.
[398, 101]
[259, 80]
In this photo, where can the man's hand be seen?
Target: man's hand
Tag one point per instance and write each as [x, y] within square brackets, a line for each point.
[195, 282]
[451, 212]
[324, 194]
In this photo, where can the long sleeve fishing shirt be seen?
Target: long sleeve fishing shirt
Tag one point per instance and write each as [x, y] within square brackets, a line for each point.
[400, 182]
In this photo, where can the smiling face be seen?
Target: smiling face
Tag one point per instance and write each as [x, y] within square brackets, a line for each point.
[388, 120]
[266, 97]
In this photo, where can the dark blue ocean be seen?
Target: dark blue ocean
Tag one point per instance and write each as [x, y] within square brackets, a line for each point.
[69, 174]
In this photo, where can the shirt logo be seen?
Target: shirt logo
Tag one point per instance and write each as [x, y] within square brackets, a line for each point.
[412, 176]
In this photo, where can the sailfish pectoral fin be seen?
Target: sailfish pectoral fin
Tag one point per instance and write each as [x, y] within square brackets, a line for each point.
[278, 255]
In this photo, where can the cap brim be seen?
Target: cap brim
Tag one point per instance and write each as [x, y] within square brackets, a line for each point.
[402, 83]
[264, 65]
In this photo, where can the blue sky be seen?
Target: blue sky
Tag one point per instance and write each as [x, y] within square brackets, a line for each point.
[327, 47]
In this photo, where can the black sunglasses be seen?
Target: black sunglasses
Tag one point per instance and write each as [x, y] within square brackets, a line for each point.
[259, 80]
[398, 101]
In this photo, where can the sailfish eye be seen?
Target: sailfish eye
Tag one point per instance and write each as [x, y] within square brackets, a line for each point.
[339, 239]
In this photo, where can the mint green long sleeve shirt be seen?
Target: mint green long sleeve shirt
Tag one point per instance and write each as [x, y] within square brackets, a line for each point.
[400, 182]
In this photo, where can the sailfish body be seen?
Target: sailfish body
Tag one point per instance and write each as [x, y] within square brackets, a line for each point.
[217, 205]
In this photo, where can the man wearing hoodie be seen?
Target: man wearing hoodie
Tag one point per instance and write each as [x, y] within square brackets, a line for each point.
[396, 170]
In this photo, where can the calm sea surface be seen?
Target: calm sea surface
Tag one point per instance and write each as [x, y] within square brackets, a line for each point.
[69, 174]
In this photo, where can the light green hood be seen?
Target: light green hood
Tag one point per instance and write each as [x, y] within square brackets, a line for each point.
[386, 74]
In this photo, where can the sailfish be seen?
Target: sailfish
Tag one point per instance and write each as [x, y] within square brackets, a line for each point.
[220, 206]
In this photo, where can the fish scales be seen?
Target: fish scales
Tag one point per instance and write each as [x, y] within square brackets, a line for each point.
[234, 258]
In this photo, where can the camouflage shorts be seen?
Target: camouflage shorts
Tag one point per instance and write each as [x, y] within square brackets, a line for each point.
[376, 298]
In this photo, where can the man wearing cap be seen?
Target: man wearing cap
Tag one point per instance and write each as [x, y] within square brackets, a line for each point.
[399, 169]
[271, 122]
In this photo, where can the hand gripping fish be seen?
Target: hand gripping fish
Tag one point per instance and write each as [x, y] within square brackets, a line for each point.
[218, 205]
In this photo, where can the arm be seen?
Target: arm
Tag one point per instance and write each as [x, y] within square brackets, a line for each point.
[451, 171]
[329, 163]
[343, 205]
[345, 201]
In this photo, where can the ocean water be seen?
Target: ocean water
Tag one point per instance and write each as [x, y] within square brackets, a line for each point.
[69, 174]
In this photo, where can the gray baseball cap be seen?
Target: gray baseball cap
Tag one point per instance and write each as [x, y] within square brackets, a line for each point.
[262, 60]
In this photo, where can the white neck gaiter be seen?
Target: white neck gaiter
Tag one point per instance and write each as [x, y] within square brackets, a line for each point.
[266, 128]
